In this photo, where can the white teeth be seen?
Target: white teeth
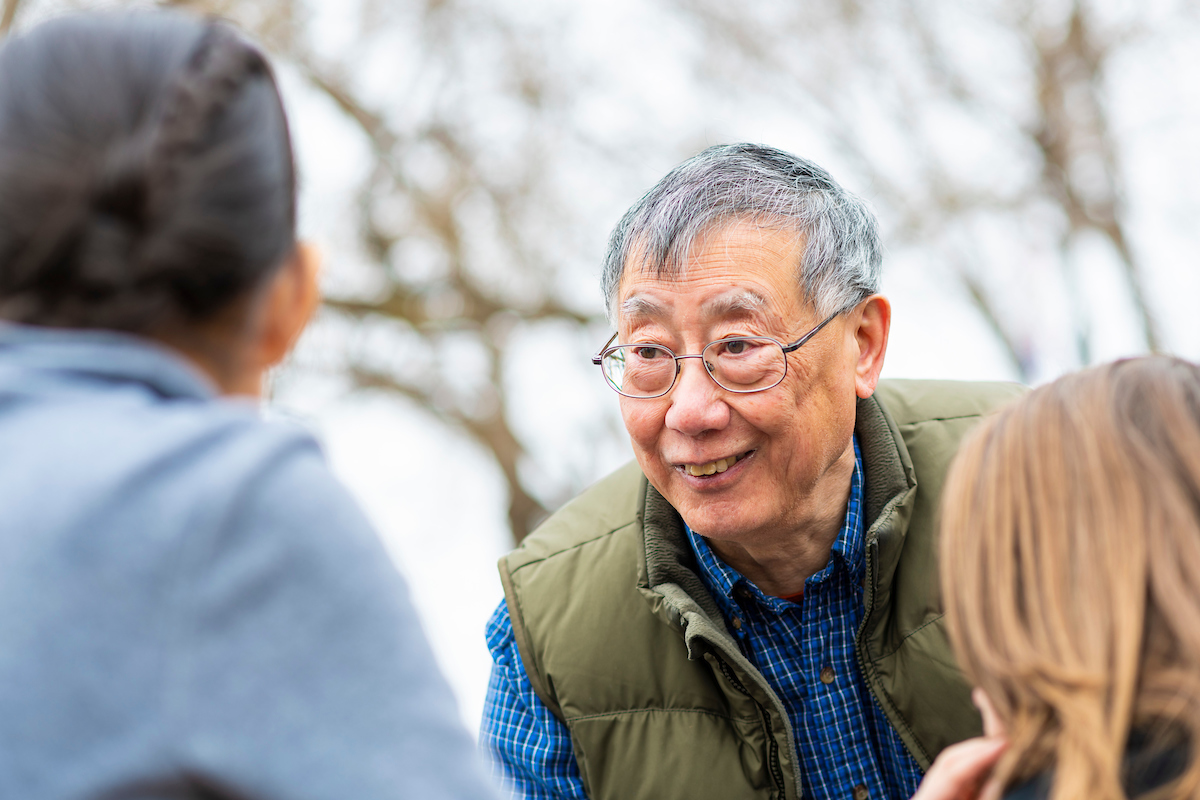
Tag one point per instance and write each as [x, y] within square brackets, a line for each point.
[720, 465]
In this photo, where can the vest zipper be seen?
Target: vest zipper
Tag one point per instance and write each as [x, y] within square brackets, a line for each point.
[868, 608]
[860, 647]
[773, 747]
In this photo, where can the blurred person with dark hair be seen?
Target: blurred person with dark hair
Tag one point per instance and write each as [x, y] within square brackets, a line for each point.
[1071, 576]
[190, 604]
[751, 609]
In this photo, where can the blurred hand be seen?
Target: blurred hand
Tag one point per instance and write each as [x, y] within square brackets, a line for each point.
[992, 726]
[962, 770]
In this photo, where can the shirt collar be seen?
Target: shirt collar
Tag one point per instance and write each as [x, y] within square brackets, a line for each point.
[723, 581]
[106, 355]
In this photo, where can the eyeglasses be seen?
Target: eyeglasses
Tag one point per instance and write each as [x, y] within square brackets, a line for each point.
[741, 364]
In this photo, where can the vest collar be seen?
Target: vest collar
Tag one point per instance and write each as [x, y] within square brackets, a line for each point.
[891, 488]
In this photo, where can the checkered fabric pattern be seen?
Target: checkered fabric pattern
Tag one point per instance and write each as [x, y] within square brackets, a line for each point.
[805, 650]
[528, 747]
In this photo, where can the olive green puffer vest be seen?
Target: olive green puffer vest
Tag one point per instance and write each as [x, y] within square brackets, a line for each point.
[623, 643]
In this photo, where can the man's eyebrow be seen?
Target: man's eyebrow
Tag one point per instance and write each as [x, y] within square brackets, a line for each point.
[735, 303]
[641, 307]
[743, 302]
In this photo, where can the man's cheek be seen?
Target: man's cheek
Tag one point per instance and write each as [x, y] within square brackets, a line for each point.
[641, 424]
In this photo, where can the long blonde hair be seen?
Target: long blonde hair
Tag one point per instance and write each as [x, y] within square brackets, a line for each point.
[1070, 568]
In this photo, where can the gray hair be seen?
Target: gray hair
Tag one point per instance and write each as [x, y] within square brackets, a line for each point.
[730, 183]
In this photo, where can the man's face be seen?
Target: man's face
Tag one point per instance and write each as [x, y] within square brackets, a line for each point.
[786, 451]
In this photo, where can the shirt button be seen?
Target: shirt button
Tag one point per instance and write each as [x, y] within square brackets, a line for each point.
[736, 622]
[827, 678]
[860, 792]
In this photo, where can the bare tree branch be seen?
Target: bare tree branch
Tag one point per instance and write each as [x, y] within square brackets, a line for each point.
[524, 512]
[438, 215]
[981, 299]
[1064, 122]
[1073, 68]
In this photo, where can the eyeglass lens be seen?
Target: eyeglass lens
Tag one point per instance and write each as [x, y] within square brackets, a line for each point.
[739, 365]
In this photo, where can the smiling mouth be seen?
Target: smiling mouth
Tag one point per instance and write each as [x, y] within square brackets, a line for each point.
[713, 467]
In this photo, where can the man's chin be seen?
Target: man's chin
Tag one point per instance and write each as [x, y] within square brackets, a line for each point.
[708, 513]
[713, 523]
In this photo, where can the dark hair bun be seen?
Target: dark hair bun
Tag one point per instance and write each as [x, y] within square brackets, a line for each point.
[146, 174]
[120, 188]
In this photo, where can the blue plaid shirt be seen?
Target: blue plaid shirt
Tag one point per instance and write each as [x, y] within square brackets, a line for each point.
[804, 649]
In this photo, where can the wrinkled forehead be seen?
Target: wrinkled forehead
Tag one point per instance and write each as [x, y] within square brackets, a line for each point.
[658, 254]
[737, 268]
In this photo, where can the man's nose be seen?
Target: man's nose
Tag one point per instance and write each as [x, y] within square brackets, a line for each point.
[697, 403]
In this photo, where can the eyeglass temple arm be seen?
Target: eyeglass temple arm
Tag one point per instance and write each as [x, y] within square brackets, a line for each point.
[596, 359]
[796, 345]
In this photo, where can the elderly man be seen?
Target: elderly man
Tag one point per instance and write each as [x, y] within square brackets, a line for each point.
[749, 610]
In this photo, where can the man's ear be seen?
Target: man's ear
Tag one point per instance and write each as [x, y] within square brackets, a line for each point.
[871, 327]
[290, 301]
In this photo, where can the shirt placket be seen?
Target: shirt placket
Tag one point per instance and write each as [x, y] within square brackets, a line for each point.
[834, 718]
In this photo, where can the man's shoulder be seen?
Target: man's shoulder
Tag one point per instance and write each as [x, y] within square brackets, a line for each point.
[611, 504]
[914, 401]
[571, 589]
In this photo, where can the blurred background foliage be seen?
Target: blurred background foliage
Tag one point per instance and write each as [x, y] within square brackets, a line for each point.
[1033, 162]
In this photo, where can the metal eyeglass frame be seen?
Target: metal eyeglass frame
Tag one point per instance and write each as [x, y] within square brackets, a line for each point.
[609, 347]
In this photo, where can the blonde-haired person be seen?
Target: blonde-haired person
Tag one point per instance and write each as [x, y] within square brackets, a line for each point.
[1071, 575]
